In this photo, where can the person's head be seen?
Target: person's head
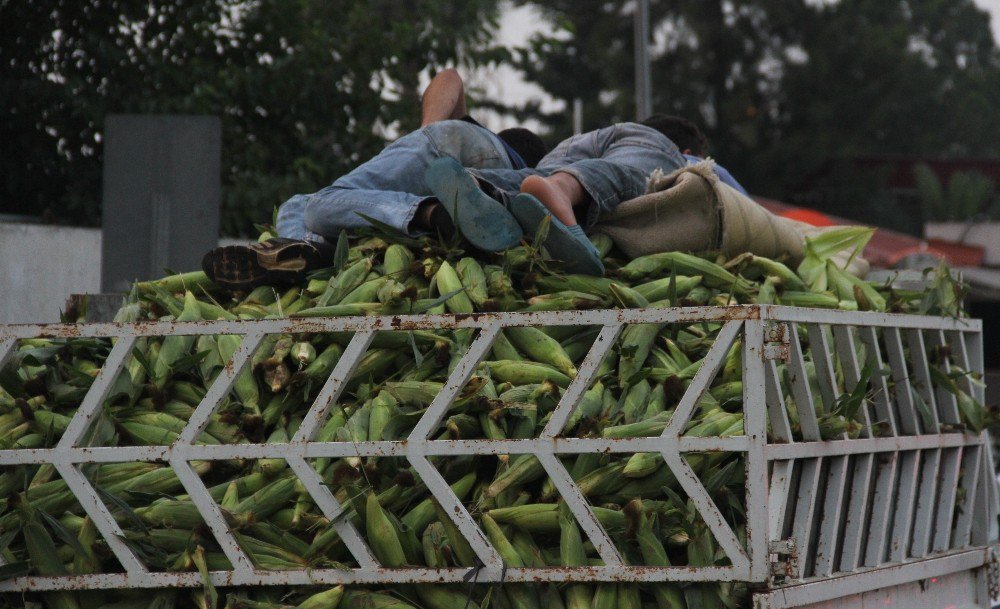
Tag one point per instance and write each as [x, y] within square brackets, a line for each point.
[681, 131]
[525, 143]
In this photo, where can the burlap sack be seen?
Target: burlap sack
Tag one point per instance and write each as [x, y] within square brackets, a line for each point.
[692, 210]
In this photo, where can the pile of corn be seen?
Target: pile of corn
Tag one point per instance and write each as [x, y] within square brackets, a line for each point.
[44, 531]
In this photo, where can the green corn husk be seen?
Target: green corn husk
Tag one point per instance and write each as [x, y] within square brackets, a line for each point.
[572, 554]
[541, 348]
[525, 373]
[382, 535]
[511, 395]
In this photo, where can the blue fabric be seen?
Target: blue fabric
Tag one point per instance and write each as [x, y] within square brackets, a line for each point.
[611, 164]
[516, 161]
[720, 171]
[390, 186]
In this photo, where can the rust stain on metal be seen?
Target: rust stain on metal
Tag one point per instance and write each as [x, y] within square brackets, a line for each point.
[472, 316]
[60, 331]
[307, 326]
[398, 323]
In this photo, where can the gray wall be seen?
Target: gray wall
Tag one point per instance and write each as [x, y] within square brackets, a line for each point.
[161, 195]
[41, 265]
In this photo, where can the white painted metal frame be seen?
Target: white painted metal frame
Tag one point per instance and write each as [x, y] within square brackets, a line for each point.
[822, 494]
[873, 509]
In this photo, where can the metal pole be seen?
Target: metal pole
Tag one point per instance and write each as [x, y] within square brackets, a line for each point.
[577, 116]
[643, 88]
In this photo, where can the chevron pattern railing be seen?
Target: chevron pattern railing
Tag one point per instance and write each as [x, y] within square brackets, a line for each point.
[820, 494]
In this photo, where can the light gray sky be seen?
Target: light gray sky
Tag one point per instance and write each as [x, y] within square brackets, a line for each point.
[518, 24]
[993, 6]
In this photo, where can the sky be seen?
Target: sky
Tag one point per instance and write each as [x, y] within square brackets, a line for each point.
[993, 6]
[518, 24]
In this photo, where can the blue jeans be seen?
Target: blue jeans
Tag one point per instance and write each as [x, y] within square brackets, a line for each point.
[611, 164]
[390, 186]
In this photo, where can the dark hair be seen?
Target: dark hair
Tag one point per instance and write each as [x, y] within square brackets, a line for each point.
[525, 143]
[681, 131]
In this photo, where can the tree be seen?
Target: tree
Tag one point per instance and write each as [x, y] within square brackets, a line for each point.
[790, 90]
[305, 88]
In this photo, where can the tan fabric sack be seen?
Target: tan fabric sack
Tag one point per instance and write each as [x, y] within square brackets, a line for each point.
[692, 210]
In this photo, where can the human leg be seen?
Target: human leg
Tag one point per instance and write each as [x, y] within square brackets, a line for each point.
[481, 219]
[291, 220]
[612, 164]
[391, 186]
[560, 193]
[278, 261]
[556, 196]
[443, 99]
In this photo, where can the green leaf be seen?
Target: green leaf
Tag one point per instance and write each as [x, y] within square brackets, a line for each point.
[9, 537]
[850, 405]
[125, 508]
[417, 356]
[61, 532]
[147, 552]
[189, 360]
[143, 361]
[341, 253]
[14, 569]
[926, 416]
[439, 300]
[542, 232]
[391, 232]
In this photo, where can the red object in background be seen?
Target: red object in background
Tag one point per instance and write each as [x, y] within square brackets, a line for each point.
[958, 254]
[809, 216]
[886, 248]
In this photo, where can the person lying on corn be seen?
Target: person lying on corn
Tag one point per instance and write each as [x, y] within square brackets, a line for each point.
[453, 175]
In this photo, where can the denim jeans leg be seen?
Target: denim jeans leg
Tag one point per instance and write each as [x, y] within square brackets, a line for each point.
[390, 186]
[503, 184]
[291, 221]
[628, 154]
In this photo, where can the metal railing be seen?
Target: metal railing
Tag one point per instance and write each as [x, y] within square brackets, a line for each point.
[813, 508]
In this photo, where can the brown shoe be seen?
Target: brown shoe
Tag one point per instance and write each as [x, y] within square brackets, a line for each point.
[276, 261]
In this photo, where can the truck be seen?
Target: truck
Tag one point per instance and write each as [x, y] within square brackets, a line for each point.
[901, 511]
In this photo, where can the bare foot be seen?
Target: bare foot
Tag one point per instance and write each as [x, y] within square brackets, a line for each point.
[558, 192]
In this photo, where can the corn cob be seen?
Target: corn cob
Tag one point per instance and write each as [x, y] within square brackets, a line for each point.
[327, 599]
[597, 286]
[654, 554]
[174, 347]
[193, 281]
[464, 555]
[525, 373]
[544, 517]
[41, 550]
[571, 554]
[372, 600]
[397, 262]
[343, 283]
[540, 347]
[522, 470]
[712, 274]
[473, 279]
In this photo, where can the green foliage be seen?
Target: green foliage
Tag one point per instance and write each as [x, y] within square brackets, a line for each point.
[969, 194]
[306, 88]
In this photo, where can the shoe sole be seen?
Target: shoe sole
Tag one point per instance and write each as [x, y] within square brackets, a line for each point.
[561, 244]
[238, 267]
[483, 221]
